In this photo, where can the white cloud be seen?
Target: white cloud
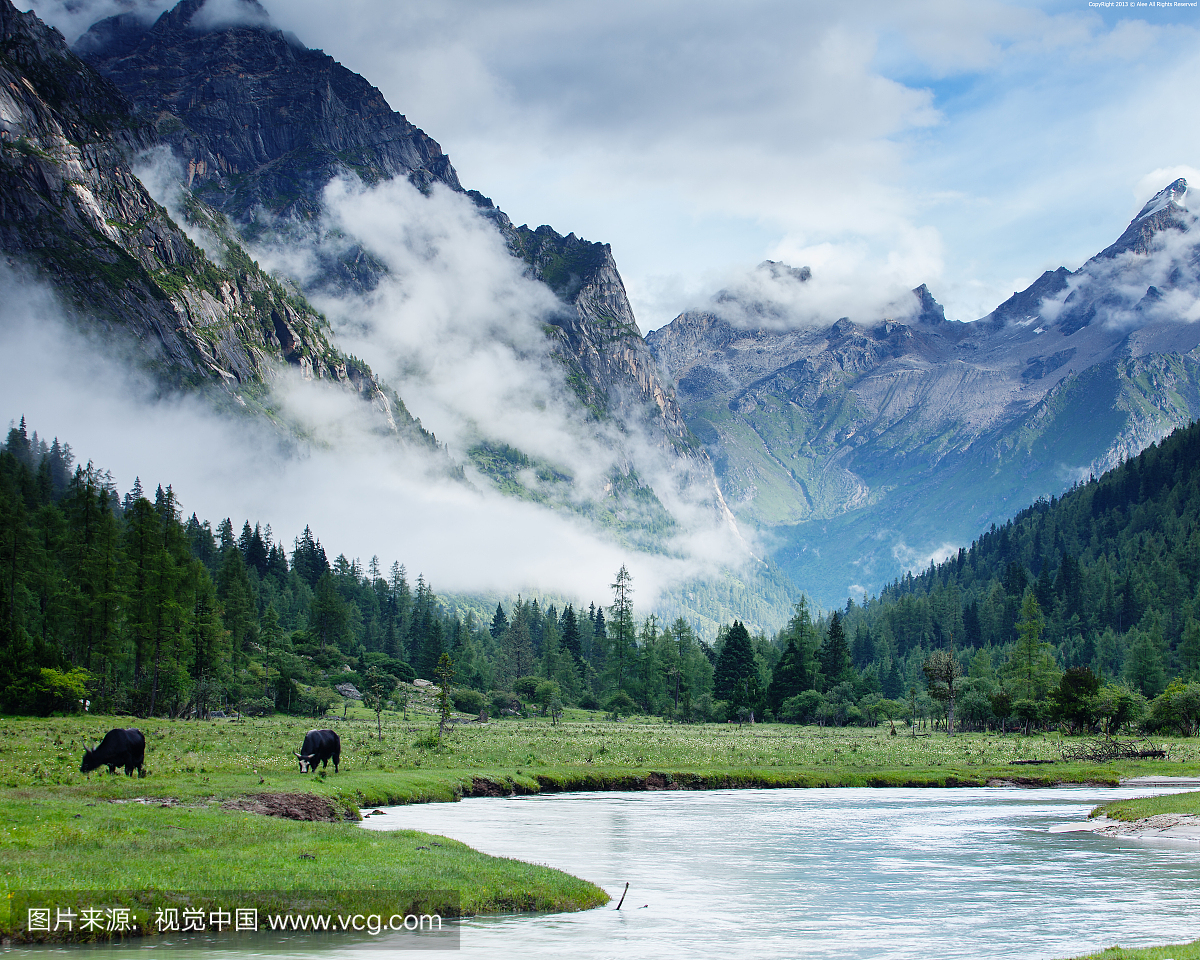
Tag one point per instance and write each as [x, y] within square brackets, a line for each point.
[73, 19]
[918, 559]
[222, 14]
[362, 494]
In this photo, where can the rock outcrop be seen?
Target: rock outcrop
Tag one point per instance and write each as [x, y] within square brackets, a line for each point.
[257, 118]
[261, 123]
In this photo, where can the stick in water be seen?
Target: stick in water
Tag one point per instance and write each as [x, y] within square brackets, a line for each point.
[623, 895]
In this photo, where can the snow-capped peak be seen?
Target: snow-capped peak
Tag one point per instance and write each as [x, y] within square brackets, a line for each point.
[1172, 194]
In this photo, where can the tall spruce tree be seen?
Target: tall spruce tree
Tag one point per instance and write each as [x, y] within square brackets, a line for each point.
[834, 654]
[622, 631]
[735, 676]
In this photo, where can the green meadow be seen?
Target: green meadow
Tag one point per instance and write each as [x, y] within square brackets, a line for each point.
[187, 825]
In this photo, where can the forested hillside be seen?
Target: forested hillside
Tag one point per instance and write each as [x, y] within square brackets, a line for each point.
[136, 607]
[1100, 587]
[1114, 566]
[127, 602]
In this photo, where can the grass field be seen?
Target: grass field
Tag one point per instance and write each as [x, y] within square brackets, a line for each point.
[175, 829]
[225, 758]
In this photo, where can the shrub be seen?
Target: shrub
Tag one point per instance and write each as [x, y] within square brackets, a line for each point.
[620, 705]
[526, 687]
[469, 701]
[802, 708]
[546, 691]
[258, 707]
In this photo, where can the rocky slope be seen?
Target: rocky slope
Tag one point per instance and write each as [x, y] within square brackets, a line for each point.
[867, 447]
[262, 124]
[72, 212]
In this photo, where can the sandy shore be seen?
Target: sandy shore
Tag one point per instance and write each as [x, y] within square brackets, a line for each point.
[1164, 826]
[1179, 827]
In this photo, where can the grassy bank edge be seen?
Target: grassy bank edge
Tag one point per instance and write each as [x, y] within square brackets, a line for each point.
[183, 855]
[448, 785]
[1177, 951]
[1139, 808]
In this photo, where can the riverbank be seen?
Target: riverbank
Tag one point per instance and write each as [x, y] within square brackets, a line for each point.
[173, 853]
[1171, 817]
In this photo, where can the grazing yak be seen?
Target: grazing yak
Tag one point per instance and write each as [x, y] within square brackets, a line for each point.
[119, 748]
[320, 746]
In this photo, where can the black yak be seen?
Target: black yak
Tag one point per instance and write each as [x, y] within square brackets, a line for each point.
[320, 746]
[119, 748]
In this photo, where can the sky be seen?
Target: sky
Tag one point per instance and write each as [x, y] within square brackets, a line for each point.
[966, 145]
[885, 144]
[969, 146]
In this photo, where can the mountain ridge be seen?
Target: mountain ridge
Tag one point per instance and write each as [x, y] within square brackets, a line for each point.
[835, 439]
[73, 212]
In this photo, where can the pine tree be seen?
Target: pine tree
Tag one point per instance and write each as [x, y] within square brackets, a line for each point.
[834, 655]
[237, 601]
[571, 636]
[790, 676]
[1031, 669]
[328, 619]
[735, 676]
[621, 629]
[499, 623]
[518, 647]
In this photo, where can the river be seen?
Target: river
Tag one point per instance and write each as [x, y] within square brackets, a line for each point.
[829, 873]
[886, 874]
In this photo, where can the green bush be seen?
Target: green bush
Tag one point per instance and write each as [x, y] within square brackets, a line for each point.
[258, 707]
[621, 705]
[802, 708]
[469, 701]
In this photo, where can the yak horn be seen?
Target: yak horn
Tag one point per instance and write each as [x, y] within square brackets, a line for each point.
[297, 754]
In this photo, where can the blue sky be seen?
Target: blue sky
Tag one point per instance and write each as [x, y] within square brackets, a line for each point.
[969, 145]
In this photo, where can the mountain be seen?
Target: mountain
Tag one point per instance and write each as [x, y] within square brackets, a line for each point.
[863, 449]
[262, 125]
[73, 213]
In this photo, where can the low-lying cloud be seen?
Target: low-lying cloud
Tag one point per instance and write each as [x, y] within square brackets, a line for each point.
[361, 496]
[1132, 289]
[778, 296]
[459, 330]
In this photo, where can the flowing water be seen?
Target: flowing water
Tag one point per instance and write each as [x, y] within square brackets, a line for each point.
[831, 873]
[826, 873]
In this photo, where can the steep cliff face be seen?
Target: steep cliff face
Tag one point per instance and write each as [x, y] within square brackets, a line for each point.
[864, 447]
[257, 118]
[74, 213]
[614, 371]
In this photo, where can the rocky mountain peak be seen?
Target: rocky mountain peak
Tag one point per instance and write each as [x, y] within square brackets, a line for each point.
[930, 311]
[1163, 211]
[782, 271]
[1173, 193]
[258, 119]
